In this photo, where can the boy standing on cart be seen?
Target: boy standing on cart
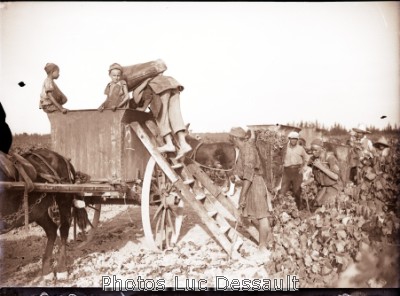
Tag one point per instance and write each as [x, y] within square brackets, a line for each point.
[116, 91]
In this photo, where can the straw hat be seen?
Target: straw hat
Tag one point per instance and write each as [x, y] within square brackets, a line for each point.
[238, 132]
[361, 128]
[382, 141]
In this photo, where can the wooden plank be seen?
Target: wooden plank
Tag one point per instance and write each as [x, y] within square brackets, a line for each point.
[62, 188]
[164, 165]
[203, 178]
[210, 223]
[98, 143]
[200, 175]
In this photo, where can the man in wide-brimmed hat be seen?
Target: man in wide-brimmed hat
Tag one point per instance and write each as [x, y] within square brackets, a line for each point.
[382, 143]
[362, 140]
[363, 151]
[362, 129]
[382, 150]
[253, 202]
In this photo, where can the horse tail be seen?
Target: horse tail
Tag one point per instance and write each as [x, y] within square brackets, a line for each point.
[82, 219]
[80, 214]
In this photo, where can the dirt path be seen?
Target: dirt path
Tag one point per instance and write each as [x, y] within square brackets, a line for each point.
[119, 248]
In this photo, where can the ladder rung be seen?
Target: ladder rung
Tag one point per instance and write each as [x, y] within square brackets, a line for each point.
[177, 166]
[239, 242]
[212, 213]
[225, 228]
[200, 196]
[188, 182]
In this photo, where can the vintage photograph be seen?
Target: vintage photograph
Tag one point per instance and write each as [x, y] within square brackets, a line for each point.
[182, 146]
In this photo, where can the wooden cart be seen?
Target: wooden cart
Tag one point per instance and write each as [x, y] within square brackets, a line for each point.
[117, 150]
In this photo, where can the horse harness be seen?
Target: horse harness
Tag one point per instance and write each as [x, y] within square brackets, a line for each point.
[53, 210]
[53, 177]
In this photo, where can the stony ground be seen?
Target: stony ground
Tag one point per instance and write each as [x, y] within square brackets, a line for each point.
[119, 248]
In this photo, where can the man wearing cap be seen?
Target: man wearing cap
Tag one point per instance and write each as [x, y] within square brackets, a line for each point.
[326, 173]
[253, 202]
[294, 164]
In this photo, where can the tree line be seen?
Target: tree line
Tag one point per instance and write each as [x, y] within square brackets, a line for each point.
[340, 130]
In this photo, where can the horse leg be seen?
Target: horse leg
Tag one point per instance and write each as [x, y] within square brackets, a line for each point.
[51, 232]
[64, 205]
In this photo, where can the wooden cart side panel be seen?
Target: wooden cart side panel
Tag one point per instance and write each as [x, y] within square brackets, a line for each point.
[134, 155]
[98, 143]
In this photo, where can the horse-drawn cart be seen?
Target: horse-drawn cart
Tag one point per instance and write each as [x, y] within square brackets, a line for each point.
[118, 151]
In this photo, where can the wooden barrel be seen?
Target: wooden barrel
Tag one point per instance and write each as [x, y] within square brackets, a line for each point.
[134, 75]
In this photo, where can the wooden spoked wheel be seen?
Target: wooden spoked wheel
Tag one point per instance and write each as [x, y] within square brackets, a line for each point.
[161, 209]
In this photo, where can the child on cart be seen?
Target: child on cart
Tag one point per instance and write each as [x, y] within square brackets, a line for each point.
[116, 91]
[51, 97]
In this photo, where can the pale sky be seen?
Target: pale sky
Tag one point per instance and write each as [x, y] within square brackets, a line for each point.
[240, 63]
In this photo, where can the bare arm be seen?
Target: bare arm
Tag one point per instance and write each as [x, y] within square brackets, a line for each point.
[101, 108]
[243, 193]
[126, 97]
[317, 163]
[54, 101]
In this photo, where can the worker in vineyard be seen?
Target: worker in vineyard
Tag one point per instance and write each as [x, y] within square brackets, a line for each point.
[51, 97]
[362, 152]
[362, 141]
[382, 151]
[294, 164]
[116, 90]
[326, 172]
[162, 95]
[253, 203]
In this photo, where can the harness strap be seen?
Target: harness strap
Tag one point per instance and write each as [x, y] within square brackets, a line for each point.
[47, 165]
[21, 171]
[55, 177]
[194, 152]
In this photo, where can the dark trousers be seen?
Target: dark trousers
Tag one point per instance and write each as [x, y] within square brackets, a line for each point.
[292, 177]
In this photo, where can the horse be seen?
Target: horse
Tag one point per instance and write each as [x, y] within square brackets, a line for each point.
[215, 157]
[49, 210]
